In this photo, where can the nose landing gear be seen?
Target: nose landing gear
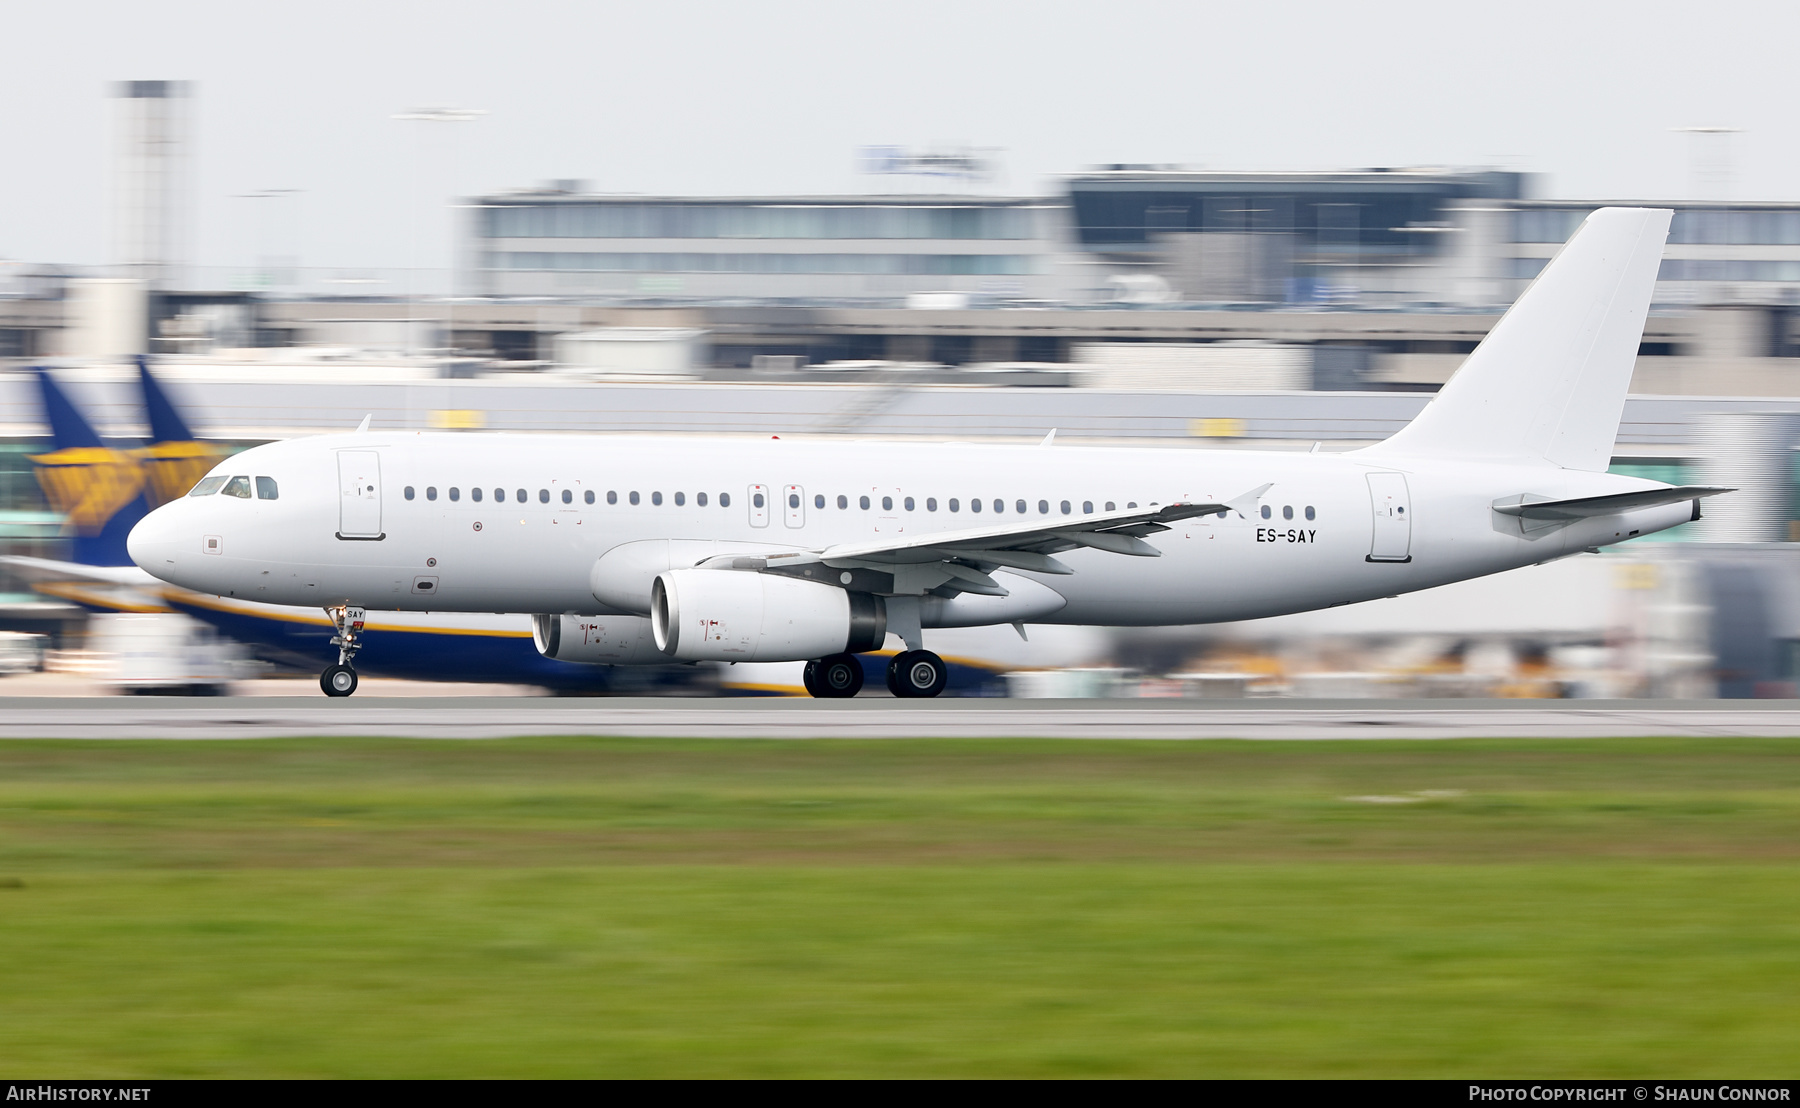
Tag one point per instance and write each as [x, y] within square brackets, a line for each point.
[340, 679]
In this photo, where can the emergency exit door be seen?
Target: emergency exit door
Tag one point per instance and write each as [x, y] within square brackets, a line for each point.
[359, 494]
[1392, 539]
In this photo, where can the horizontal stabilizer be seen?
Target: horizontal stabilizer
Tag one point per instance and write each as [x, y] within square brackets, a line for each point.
[1538, 507]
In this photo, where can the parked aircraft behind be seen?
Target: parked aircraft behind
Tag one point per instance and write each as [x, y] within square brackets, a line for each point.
[103, 489]
[645, 550]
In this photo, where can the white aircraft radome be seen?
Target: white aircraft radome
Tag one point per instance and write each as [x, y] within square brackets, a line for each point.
[643, 550]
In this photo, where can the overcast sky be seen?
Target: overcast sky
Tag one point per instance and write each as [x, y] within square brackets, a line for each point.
[774, 96]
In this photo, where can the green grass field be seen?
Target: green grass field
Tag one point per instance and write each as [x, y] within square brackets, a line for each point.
[593, 907]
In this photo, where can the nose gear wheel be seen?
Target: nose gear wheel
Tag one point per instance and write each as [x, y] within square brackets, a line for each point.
[338, 680]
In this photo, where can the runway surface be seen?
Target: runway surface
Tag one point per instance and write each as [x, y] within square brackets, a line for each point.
[498, 717]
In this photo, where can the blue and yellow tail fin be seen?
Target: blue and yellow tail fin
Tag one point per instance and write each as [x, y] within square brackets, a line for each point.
[175, 459]
[100, 489]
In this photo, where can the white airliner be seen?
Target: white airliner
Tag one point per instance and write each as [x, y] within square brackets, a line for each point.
[642, 550]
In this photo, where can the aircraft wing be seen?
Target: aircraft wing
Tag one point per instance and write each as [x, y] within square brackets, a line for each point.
[49, 569]
[960, 561]
[1530, 507]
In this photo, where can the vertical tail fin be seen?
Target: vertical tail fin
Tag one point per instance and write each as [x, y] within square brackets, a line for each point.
[175, 459]
[166, 424]
[69, 429]
[99, 488]
[1548, 383]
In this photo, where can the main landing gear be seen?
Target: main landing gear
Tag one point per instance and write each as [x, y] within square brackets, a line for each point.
[911, 673]
[916, 673]
[840, 675]
[340, 679]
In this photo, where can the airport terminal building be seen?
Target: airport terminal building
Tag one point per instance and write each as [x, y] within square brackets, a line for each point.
[558, 241]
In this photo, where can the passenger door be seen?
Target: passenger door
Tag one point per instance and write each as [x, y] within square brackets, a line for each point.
[1392, 540]
[359, 494]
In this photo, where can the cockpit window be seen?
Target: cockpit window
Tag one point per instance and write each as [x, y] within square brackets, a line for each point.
[238, 486]
[266, 490]
[207, 486]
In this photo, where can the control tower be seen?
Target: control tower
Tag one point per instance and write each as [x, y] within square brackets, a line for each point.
[152, 180]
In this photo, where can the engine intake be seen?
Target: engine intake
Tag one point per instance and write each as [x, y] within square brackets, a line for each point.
[709, 615]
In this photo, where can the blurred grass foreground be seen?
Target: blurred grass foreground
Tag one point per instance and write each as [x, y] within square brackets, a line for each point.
[688, 908]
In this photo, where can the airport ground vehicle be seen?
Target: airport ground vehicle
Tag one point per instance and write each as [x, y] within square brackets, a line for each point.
[21, 652]
[159, 652]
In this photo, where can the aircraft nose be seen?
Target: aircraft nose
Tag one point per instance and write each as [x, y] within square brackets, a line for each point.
[151, 543]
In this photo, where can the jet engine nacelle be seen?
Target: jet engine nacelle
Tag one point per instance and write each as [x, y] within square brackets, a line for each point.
[742, 616]
[597, 640]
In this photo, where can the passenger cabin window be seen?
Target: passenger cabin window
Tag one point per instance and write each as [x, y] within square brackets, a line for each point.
[1000, 505]
[757, 500]
[633, 497]
[210, 485]
[724, 500]
[612, 497]
[699, 498]
[238, 487]
[1087, 507]
[887, 503]
[1287, 511]
[408, 490]
[954, 506]
[843, 502]
[1019, 506]
[819, 500]
[1266, 511]
[266, 490]
[521, 495]
[907, 503]
[931, 503]
[475, 494]
[455, 493]
[499, 496]
[680, 499]
[864, 502]
[431, 492]
[975, 503]
[1309, 511]
[568, 497]
[1044, 507]
[793, 500]
[1065, 507]
[543, 496]
[1109, 506]
[588, 496]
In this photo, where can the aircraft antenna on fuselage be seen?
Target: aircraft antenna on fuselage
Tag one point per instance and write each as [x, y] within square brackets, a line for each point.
[364, 425]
